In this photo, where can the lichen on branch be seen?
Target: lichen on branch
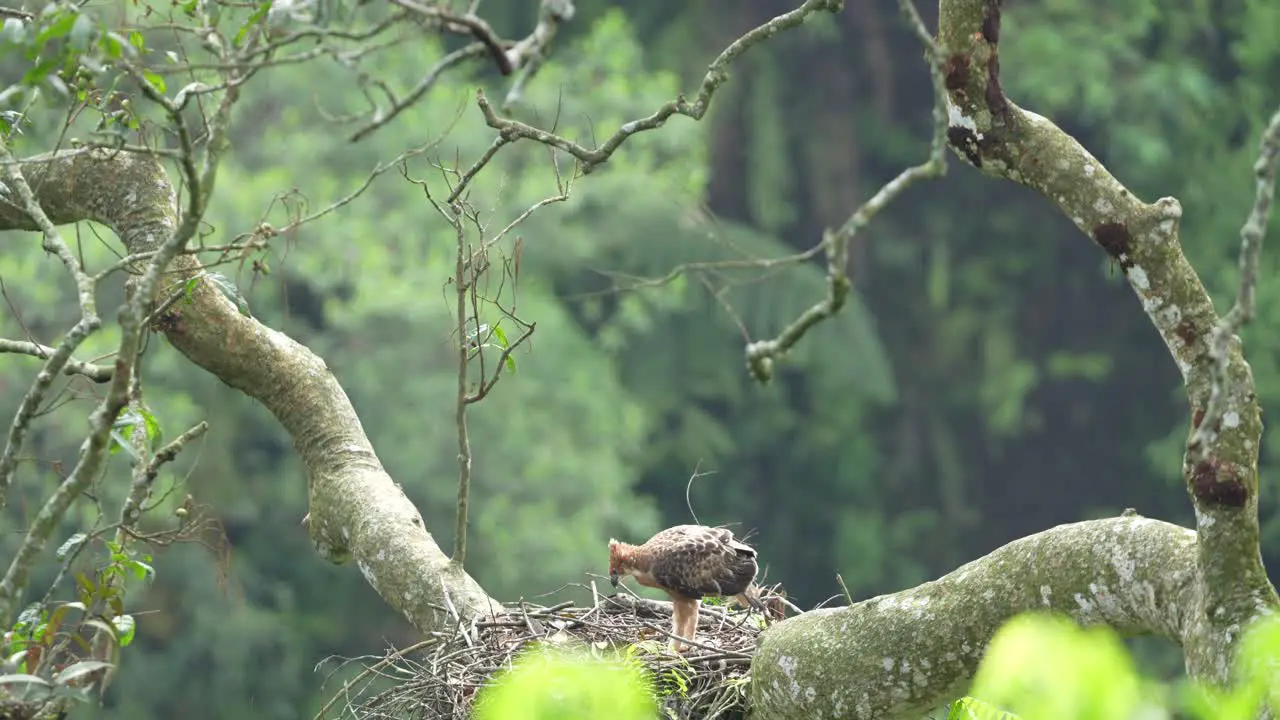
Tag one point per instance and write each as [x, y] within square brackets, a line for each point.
[357, 511]
[994, 134]
[903, 654]
[900, 655]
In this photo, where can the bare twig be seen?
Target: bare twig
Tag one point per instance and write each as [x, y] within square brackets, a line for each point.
[145, 476]
[465, 23]
[471, 267]
[695, 643]
[96, 373]
[845, 589]
[689, 486]
[428, 81]
[531, 52]
[384, 662]
[1251, 236]
[762, 353]
[717, 74]
[450, 668]
[525, 55]
[57, 360]
[464, 283]
[199, 171]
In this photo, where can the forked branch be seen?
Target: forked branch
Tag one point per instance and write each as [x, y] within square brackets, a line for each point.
[717, 75]
[1251, 235]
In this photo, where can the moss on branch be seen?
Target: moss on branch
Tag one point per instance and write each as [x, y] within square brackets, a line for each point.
[900, 655]
[357, 511]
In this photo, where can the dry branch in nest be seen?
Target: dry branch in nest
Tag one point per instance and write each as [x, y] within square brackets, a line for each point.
[440, 676]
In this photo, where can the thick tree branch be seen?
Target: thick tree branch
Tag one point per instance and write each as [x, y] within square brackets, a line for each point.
[1004, 140]
[901, 655]
[357, 511]
[167, 241]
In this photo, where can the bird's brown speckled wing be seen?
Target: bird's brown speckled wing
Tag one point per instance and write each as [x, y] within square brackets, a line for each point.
[697, 561]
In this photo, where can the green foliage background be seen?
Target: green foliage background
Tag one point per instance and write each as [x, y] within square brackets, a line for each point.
[992, 376]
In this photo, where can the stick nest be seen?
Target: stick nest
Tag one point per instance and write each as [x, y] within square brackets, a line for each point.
[440, 676]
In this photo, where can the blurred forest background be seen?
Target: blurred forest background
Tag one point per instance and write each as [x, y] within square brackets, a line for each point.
[991, 377]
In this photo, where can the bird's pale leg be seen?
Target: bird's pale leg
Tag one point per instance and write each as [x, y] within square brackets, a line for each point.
[693, 621]
[678, 611]
[676, 621]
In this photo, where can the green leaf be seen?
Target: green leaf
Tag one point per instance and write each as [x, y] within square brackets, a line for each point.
[230, 291]
[82, 32]
[126, 627]
[967, 708]
[1045, 666]
[21, 686]
[510, 361]
[72, 544]
[105, 627]
[67, 692]
[546, 684]
[19, 658]
[120, 442]
[55, 618]
[1257, 660]
[40, 71]
[152, 425]
[254, 19]
[79, 670]
[59, 27]
[155, 80]
[141, 570]
[114, 46]
[136, 40]
[14, 33]
[190, 287]
[85, 587]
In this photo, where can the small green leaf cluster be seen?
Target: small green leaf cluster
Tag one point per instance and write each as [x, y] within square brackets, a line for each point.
[553, 684]
[71, 54]
[1042, 667]
[135, 417]
[53, 651]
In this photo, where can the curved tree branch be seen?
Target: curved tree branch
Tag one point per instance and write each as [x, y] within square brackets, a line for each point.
[357, 511]
[1006, 141]
[903, 654]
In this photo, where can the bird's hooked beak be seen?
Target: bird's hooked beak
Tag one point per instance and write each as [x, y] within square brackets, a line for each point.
[613, 579]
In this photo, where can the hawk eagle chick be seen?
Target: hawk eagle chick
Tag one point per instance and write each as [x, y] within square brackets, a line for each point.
[689, 562]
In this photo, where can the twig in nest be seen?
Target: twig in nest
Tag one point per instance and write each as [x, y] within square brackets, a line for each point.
[441, 679]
